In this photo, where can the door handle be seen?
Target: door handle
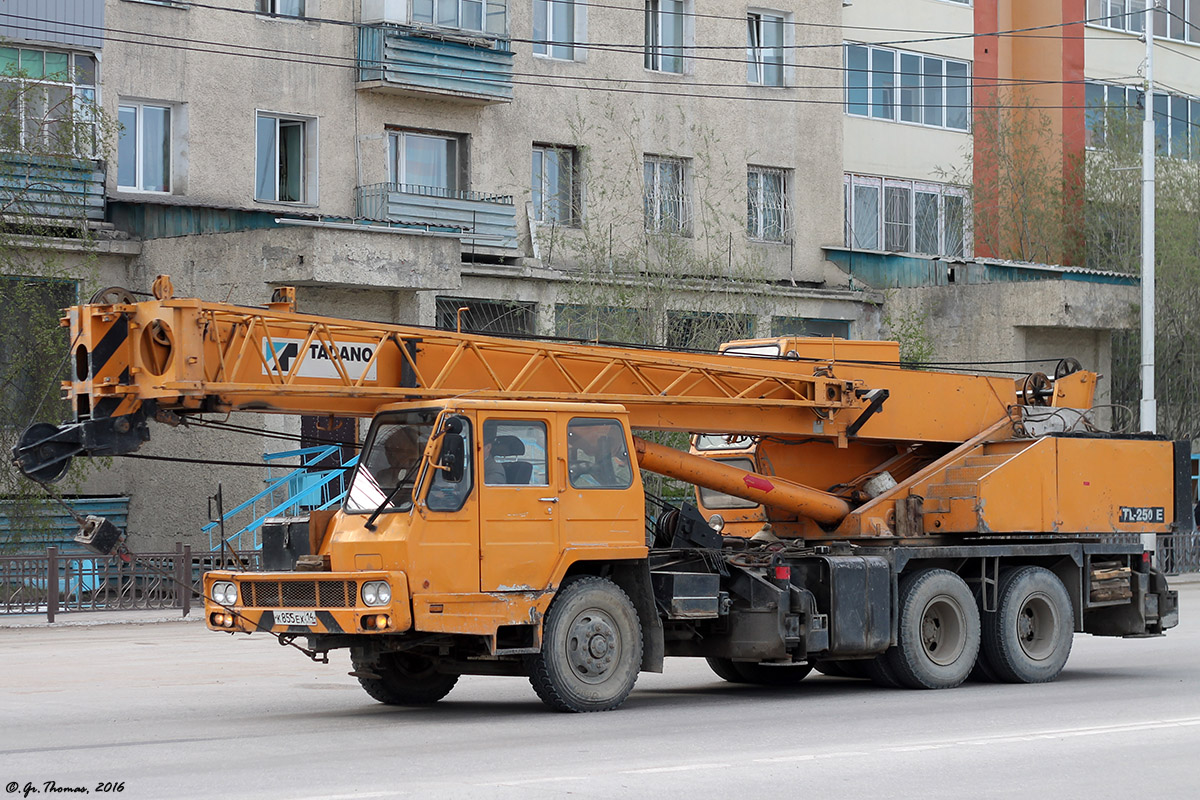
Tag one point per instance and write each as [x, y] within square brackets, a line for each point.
[547, 499]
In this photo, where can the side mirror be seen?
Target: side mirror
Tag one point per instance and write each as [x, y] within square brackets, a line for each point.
[453, 459]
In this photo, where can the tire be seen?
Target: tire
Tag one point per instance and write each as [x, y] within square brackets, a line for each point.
[725, 669]
[1028, 639]
[938, 631]
[880, 672]
[768, 675]
[591, 648]
[405, 679]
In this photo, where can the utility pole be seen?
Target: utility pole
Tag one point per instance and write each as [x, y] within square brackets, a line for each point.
[1149, 406]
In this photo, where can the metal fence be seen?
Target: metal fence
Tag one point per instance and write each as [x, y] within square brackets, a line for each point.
[1174, 553]
[58, 582]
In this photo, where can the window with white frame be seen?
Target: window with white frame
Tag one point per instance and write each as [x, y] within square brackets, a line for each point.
[144, 147]
[285, 159]
[765, 48]
[882, 83]
[905, 216]
[666, 27]
[281, 8]
[48, 101]
[1176, 19]
[426, 163]
[555, 184]
[767, 203]
[482, 16]
[556, 28]
[664, 194]
[1176, 118]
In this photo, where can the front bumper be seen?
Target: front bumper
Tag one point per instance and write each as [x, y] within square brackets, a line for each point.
[326, 602]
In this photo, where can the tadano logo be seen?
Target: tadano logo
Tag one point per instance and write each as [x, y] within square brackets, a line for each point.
[318, 361]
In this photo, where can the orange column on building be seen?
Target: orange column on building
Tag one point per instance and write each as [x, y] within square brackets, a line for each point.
[1041, 67]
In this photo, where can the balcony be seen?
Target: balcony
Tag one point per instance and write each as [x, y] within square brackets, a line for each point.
[484, 220]
[43, 188]
[401, 61]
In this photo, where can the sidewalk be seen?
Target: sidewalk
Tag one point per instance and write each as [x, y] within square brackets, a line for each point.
[87, 619]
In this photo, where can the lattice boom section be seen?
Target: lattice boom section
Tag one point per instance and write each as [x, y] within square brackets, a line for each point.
[298, 594]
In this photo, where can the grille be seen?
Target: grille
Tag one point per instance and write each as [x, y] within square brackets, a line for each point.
[299, 594]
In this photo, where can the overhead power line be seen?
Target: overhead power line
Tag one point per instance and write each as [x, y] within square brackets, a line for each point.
[550, 81]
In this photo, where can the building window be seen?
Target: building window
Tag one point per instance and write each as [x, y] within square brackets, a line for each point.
[29, 335]
[664, 194]
[554, 29]
[1176, 118]
[283, 159]
[706, 330]
[483, 16]
[501, 317]
[905, 216]
[764, 48]
[907, 87]
[766, 203]
[555, 185]
[1176, 19]
[48, 101]
[281, 8]
[596, 323]
[426, 163]
[144, 148]
[809, 326]
[665, 35]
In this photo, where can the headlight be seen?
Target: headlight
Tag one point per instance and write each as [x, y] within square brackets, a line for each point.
[376, 593]
[224, 593]
[716, 522]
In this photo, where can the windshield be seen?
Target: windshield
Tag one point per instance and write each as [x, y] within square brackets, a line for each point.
[723, 441]
[391, 459]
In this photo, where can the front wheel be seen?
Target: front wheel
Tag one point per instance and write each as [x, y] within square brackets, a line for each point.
[1028, 638]
[402, 679]
[591, 648]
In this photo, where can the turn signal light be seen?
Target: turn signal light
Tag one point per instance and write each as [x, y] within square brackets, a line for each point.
[220, 620]
[376, 622]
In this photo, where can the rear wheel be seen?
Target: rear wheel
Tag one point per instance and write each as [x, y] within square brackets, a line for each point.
[402, 679]
[1028, 638]
[591, 648]
[938, 631]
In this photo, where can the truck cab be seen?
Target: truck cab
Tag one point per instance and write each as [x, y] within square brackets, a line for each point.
[462, 517]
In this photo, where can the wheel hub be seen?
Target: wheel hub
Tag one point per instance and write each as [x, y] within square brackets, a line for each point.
[592, 646]
[942, 631]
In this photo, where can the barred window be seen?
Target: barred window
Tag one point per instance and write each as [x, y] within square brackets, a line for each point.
[665, 194]
[905, 216]
[767, 204]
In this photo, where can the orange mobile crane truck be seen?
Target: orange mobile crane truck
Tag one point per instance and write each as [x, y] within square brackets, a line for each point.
[912, 527]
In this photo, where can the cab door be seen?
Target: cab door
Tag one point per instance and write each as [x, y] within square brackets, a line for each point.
[518, 506]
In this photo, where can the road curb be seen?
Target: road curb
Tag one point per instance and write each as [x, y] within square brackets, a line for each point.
[93, 619]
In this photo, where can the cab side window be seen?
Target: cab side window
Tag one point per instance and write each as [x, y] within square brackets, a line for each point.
[514, 453]
[445, 494]
[597, 457]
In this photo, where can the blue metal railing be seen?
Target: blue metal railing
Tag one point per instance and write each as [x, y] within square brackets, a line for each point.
[302, 489]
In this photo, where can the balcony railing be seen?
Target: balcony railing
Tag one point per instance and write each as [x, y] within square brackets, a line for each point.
[48, 188]
[486, 220]
[398, 60]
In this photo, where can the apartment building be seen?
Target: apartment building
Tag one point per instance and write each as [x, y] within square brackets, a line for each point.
[923, 80]
[664, 171]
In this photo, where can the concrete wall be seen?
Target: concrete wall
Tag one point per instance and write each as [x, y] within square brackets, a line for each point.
[1040, 320]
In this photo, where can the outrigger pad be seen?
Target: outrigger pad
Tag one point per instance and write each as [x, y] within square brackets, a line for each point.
[100, 536]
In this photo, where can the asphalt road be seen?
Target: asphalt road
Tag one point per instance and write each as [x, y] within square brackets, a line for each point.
[172, 710]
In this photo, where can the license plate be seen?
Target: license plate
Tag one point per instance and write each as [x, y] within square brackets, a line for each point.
[296, 618]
